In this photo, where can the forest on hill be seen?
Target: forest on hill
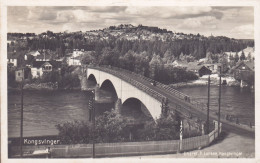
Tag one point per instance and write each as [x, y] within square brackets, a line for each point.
[142, 49]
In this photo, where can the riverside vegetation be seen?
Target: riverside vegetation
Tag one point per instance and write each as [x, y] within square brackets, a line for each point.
[113, 127]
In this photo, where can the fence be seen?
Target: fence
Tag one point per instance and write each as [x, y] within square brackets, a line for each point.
[125, 148]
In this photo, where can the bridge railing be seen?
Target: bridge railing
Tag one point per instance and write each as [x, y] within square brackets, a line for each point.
[127, 78]
[176, 93]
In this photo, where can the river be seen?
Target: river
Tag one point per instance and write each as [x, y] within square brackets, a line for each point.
[45, 109]
[235, 101]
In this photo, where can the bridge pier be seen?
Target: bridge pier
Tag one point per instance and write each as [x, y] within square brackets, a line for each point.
[84, 83]
[118, 105]
[97, 92]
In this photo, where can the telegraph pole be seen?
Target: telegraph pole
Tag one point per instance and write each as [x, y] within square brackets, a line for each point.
[21, 124]
[180, 145]
[219, 102]
[94, 125]
[208, 105]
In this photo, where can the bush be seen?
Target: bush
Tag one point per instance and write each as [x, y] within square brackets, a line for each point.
[52, 77]
[75, 132]
[165, 128]
[110, 127]
[69, 81]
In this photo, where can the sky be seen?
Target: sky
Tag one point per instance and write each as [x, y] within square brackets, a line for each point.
[234, 22]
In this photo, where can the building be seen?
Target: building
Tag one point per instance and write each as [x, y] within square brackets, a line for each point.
[14, 59]
[40, 67]
[45, 56]
[34, 53]
[77, 52]
[214, 68]
[200, 70]
[244, 72]
[22, 74]
[74, 61]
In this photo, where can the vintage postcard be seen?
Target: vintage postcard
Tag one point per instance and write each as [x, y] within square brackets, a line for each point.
[129, 80]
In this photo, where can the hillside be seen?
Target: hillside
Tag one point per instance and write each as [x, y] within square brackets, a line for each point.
[123, 38]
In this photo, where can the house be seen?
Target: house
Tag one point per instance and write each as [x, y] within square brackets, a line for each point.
[74, 61]
[40, 67]
[34, 53]
[214, 68]
[77, 52]
[244, 71]
[198, 69]
[179, 63]
[45, 56]
[14, 59]
[22, 74]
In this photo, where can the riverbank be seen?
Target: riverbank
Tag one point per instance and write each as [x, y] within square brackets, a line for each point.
[43, 87]
[214, 78]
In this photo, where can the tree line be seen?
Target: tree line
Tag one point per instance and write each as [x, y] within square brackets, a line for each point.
[112, 127]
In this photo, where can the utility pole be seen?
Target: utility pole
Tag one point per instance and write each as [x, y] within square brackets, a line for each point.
[94, 125]
[208, 105]
[90, 108]
[219, 102]
[180, 145]
[21, 124]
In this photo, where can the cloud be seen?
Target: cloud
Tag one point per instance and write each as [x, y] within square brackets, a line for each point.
[40, 13]
[245, 30]
[167, 12]
[199, 22]
[104, 9]
[205, 20]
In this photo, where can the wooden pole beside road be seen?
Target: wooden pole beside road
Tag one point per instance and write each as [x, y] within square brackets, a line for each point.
[93, 98]
[208, 105]
[21, 124]
[219, 101]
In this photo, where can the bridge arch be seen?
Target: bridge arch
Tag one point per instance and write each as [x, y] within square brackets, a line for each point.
[125, 90]
[92, 78]
[137, 105]
[107, 85]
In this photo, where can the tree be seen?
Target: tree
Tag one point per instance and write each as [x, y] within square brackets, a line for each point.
[111, 127]
[108, 57]
[242, 56]
[236, 57]
[167, 127]
[128, 61]
[52, 76]
[249, 57]
[88, 58]
[69, 80]
[167, 57]
[75, 132]
[155, 65]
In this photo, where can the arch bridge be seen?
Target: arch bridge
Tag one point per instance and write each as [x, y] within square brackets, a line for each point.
[131, 85]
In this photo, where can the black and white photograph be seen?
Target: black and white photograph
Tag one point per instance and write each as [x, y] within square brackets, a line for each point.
[129, 81]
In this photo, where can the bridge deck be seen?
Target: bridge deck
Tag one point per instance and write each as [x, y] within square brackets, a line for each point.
[178, 101]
